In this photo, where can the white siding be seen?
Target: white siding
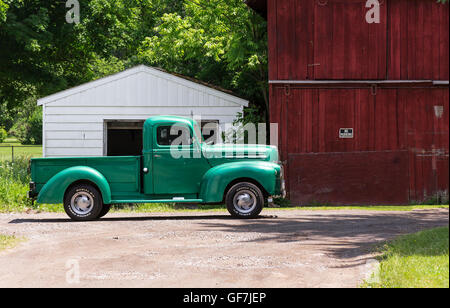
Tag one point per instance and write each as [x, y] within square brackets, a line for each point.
[74, 119]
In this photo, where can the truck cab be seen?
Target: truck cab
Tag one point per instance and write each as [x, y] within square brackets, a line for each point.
[176, 166]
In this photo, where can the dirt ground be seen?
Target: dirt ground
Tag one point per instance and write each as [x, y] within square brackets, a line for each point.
[280, 249]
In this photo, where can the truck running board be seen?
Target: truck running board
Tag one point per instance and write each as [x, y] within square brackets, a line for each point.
[159, 201]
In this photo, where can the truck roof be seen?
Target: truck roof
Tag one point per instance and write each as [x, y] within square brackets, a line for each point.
[155, 120]
[164, 119]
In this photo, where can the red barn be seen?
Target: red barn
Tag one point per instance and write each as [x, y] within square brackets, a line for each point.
[362, 107]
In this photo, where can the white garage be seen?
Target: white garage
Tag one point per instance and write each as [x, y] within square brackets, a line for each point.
[105, 117]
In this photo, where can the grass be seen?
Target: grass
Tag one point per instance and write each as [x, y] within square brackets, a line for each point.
[19, 150]
[149, 208]
[419, 260]
[171, 208]
[9, 241]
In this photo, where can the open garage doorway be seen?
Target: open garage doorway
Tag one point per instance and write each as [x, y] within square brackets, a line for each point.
[123, 138]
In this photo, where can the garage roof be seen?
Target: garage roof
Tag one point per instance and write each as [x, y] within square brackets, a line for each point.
[187, 81]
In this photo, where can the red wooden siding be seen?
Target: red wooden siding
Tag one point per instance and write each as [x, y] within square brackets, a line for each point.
[291, 39]
[426, 128]
[330, 39]
[399, 151]
[345, 45]
[316, 115]
[400, 148]
[349, 178]
[418, 39]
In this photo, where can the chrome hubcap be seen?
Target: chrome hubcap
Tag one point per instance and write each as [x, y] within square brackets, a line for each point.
[244, 201]
[81, 203]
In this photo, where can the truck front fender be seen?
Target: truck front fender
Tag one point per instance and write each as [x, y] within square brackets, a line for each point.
[216, 180]
[53, 192]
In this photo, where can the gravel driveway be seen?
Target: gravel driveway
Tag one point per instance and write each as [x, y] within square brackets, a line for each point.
[281, 249]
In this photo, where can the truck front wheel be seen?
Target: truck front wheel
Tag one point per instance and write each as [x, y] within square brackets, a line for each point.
[83, 202]
[244, 200]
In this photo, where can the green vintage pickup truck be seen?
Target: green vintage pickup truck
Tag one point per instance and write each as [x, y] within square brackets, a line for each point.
[176, 166]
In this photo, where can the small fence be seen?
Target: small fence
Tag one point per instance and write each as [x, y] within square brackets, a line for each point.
[9, 152]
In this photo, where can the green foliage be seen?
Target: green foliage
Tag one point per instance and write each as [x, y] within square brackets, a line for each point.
[3, 9]
[28, 127]
[16, 171]
[42, 54]
[238, 133]
[3, 134]
[222, 42]
[6, 118]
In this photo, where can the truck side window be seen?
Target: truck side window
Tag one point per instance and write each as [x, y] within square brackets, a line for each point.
[177, 135]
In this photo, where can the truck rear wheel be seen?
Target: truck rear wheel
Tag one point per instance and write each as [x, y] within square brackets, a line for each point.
[83, 202]
[244, 200]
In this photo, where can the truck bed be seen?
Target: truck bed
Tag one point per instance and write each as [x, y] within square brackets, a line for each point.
[121, 172]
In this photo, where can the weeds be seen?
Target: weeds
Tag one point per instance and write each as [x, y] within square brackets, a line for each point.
[9, 241]
[14, 179]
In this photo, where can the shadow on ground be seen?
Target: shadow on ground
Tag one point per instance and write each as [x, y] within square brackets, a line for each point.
[344, 235]
[341, 234]
[109, 219]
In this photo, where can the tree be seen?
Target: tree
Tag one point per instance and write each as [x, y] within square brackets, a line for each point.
[222, 42]
[42, 54]
[3, 9]
[28, 123]
[3, 134]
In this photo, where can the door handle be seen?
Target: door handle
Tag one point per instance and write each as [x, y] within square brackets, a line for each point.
[156, 156]
[145, 170]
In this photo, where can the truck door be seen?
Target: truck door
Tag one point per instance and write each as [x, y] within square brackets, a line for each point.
[178, 163]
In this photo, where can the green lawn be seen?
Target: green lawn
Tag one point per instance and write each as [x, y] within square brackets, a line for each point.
[19, 150]
[419, 260]
[165, 208]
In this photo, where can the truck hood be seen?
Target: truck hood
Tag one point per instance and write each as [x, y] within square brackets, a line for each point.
[225, 153]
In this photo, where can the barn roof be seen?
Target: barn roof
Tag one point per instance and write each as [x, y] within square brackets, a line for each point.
[259, 6]
[150, 70]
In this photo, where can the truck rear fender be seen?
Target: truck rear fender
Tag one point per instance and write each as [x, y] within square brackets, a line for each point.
[53, 192]
[217, 179]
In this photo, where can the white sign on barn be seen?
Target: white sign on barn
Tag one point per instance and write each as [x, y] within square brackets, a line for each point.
[105, 117]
